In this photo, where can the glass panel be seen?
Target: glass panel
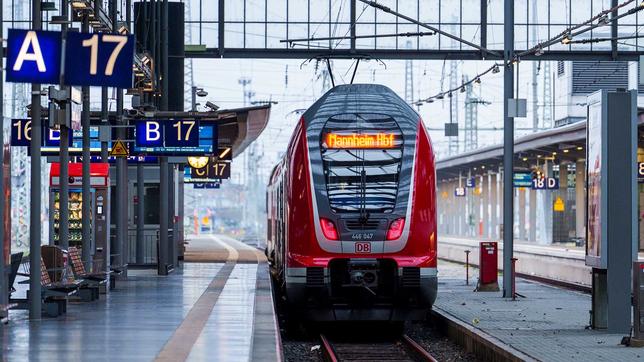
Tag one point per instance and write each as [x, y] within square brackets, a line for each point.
[361, 156]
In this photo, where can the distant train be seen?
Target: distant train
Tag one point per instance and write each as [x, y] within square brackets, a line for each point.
[352, 210]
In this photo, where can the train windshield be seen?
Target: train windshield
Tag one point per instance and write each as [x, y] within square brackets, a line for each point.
[361, 156]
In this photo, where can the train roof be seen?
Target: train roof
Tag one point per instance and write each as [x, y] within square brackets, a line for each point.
[360, 98]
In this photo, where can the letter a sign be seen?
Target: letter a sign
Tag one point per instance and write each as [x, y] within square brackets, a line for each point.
[33, 56]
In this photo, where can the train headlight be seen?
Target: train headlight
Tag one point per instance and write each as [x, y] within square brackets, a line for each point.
[396, 229]
[328, 228]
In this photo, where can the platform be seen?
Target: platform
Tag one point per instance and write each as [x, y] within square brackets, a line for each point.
[549, 324]
[560, 263]
[215, 309]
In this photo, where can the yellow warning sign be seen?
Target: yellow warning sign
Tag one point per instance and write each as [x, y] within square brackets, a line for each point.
[444, 194]
[205, 220]
[559, 205]
[478, 191]
[119, 149]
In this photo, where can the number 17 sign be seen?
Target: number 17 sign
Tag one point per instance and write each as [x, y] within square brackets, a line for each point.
[99, 59]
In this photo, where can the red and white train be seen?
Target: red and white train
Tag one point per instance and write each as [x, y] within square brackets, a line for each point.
[352, 210]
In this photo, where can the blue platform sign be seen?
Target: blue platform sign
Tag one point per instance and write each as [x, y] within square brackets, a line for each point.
[149, 134]
[99, 59]
[182, 133]
[180, 137]
[51, 137]
[522, 179]
[34, 56]
[640, 171]
[545, 183]
[459, 192]
[470, 182]
[21, 134]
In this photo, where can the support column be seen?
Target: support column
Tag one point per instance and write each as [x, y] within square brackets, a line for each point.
[476, 208]
[63, 192]
[4, 281]
[35, 306]
[580, 199]
[140, 215]
[163, 217]
[547, 206]
[494, 204]
[469, 207]
[86, 251]
[564, 231]
[485, 198]
[499, 187]
[463, 206]
[532, 210]
[456, 209]
[181, 213]
[104, 123]
[521, 210]
[172, 203]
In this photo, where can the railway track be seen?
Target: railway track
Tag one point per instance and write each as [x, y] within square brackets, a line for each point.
[401, 349]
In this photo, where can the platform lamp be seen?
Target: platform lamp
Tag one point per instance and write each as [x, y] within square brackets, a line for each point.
[81, 4]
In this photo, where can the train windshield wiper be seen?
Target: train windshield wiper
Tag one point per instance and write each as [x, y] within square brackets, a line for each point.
[364, 215]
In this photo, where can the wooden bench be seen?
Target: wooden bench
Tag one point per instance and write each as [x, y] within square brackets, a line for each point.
[95, 280]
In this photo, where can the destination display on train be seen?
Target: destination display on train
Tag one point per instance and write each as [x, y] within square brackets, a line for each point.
[360, 140]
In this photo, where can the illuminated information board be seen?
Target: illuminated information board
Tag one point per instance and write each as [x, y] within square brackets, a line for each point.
[91, 59]
[186, 137]
[363, 140]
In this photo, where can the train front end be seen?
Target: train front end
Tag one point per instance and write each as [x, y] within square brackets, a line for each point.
[370, 249]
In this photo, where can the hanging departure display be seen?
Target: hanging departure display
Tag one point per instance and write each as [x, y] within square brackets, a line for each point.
[176, 137]
[359, 140]
[21, 136]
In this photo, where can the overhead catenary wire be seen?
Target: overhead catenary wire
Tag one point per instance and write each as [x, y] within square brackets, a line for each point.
[565, 37]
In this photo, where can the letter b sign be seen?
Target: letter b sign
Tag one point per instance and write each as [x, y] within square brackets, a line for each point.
[149, 133]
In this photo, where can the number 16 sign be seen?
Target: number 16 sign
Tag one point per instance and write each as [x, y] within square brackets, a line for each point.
[99, 59]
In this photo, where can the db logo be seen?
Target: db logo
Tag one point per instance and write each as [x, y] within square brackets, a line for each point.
[363, 248]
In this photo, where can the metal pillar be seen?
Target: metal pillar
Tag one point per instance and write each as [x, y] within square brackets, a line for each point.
[521, 210]
[63, 192]
[3, 272]
[163, 217]
[580, 199]
[494, 203]
[508, 147]
[63, 216]
[86, 224]
[476, 209]
[485, 197]
[181, 213]
[547, 206]
[140, 214]
[120, 246]
[35, 306]
[532, 216]
[104, 115]
[173, 209]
